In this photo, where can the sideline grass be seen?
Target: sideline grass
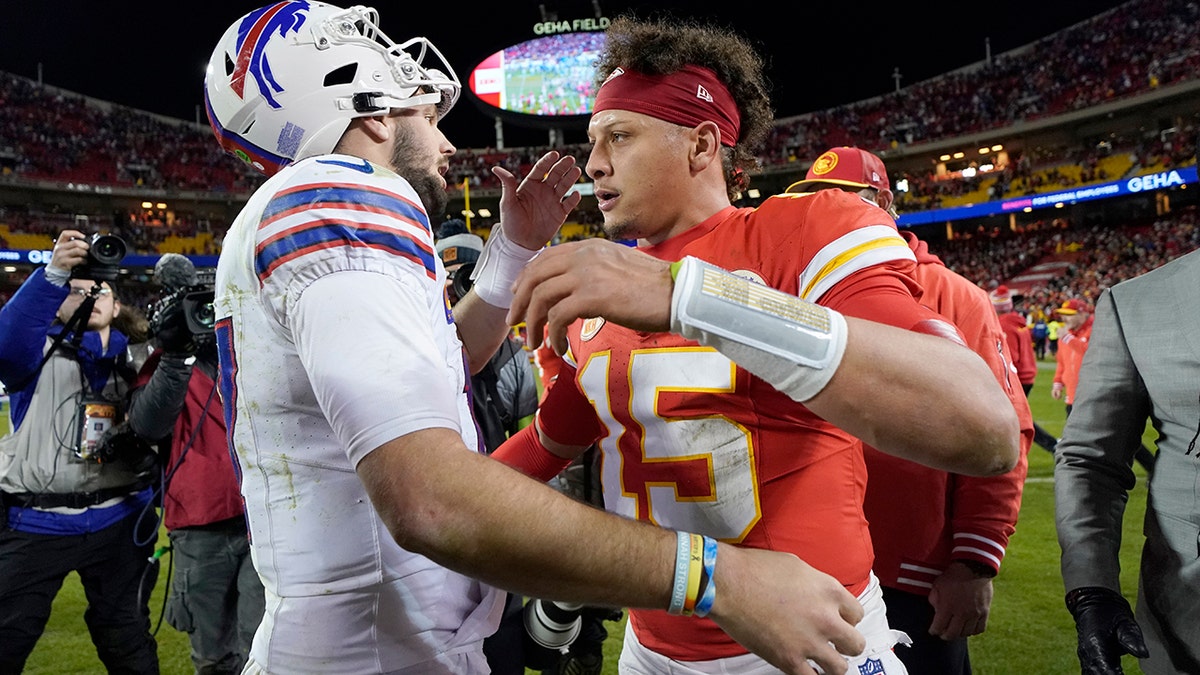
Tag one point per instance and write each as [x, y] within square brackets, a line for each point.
[1029, 630]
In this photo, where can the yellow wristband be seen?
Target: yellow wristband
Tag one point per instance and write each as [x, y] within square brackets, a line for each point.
[695, 570]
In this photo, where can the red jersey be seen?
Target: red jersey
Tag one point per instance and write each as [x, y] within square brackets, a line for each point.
[1020, 346]
[921, 518]
[1072, 344]
[690, 441]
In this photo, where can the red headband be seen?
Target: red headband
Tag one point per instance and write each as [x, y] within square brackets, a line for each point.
[686, 97]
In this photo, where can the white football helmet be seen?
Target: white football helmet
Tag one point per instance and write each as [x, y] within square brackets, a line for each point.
[286, 79]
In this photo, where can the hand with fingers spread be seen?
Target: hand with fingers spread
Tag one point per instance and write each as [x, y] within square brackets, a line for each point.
[532, 209]
[592, 278]
[961, 600]
[805, 615]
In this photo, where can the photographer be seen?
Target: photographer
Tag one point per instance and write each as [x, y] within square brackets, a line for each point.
[70, 501]
[216, 596]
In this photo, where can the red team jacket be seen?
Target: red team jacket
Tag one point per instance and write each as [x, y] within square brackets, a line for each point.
[921, 518]
[1072, 345]
[1020, 344]
[692, 442]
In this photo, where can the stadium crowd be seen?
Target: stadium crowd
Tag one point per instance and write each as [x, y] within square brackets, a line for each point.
[55, 135]
[1092, 257]
[1146, 45]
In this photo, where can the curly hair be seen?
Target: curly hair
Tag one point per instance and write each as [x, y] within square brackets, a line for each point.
[665, 45]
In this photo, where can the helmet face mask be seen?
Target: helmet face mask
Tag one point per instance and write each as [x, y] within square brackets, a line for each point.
[285, 80]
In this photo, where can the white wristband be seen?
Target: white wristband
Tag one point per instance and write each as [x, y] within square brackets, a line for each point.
[498, 267]
[793, 344]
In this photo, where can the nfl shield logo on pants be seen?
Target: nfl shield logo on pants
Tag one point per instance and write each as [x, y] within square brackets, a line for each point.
[871, 667]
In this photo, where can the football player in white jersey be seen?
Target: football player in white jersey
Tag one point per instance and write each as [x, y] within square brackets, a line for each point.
[378, 527]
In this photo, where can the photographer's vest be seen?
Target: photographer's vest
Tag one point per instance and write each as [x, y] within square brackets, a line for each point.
[39, 459]
[39, 456]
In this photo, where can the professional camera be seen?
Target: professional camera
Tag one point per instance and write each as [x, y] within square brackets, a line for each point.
[553, 625]
[198, 310]
[121, 444]
[185, 315]
[565, 638]
[104, 256]
[461, 281]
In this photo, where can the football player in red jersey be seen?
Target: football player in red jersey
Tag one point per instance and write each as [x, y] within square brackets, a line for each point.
[939, 537]
[742, 422]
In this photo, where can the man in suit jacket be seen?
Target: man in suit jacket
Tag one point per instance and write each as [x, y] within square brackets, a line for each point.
[1143, 362]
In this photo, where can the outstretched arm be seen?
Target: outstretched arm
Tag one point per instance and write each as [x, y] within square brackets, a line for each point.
[887, 387]
[425, 486]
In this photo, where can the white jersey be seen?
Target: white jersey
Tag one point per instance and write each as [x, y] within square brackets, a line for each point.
[336, 337]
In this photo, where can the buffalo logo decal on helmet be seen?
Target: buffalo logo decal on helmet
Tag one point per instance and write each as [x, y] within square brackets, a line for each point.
[256, 31]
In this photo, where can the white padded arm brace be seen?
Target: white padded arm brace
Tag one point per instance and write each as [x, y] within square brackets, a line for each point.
[793, 344]
[498, 267]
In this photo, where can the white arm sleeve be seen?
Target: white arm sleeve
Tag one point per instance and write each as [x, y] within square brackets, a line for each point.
[793, 344]
[370, 355]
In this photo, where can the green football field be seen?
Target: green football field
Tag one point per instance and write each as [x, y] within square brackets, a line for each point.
[1029, 631]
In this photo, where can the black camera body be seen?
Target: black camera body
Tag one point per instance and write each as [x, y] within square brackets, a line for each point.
[190, 308]
[121, 444]
[104, 256]
[198, 312]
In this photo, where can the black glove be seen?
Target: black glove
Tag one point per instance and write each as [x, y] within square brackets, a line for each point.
[1106, 630]
[171, 330]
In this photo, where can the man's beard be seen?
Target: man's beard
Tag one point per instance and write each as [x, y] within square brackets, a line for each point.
[618, 229]
[428, 184]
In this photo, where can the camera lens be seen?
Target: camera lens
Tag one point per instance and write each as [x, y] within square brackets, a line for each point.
[107, 249]
[553, 625]
[206, 315]
[199, 312]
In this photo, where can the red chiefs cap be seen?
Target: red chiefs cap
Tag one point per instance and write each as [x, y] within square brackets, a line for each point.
[852, 167]
[1073, 306]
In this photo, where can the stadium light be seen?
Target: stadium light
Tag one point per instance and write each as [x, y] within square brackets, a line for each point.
[984, 150]
[997, 147]
[161, 206]
[485, 213]
[146, 205]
